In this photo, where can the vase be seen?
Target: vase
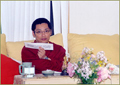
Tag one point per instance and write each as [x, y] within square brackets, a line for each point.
[87, 82]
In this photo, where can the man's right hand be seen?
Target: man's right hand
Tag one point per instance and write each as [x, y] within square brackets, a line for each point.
[41, 53]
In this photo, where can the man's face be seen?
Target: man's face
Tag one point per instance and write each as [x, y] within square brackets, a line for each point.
[42, 33]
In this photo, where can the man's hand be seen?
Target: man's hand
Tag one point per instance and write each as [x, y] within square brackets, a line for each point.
[41, 53]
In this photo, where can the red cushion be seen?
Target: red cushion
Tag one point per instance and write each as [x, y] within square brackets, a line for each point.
[9, 68]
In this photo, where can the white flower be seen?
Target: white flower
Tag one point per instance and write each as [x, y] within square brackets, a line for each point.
[101, 57]
[83, 75]
[75, 66]
[105, 60]
[85, 50]
[79, 70]
[90, 72]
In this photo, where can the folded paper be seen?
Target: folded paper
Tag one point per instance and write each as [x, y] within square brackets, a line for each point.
[46, 46]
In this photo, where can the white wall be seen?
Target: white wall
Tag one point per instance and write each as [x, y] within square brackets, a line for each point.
[94, 17]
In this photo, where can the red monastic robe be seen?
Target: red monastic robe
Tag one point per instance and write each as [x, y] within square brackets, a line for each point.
[56, 55]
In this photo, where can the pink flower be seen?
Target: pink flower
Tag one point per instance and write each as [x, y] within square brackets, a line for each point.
[103, 73]
[83, 53]
[70, 69]
[93, 56]
[111, 68]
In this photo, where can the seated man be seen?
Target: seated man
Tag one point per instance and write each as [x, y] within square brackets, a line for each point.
[43, 59]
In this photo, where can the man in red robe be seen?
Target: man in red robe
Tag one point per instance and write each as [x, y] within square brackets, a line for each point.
[43, 59]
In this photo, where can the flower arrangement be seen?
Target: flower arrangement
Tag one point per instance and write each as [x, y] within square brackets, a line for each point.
[90, 69]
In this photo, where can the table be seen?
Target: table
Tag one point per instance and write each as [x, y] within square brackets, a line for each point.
[41, 79]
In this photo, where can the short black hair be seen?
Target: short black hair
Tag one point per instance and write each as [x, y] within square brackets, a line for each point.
[40, 21]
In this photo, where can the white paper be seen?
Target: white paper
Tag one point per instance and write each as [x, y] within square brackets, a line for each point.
[46, 46]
